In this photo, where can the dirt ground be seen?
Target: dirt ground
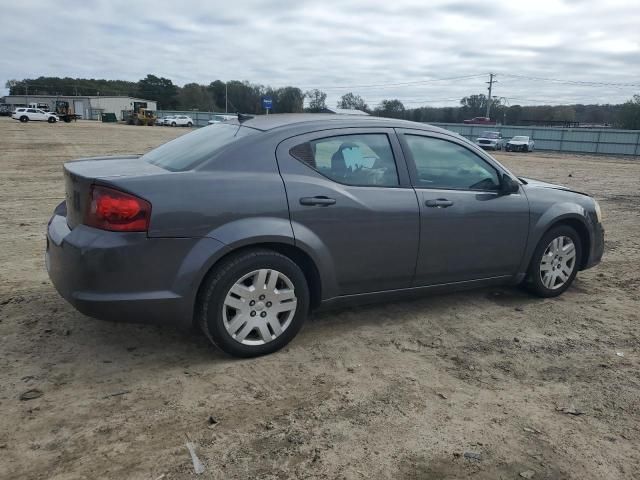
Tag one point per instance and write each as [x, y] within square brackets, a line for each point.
[401, 390]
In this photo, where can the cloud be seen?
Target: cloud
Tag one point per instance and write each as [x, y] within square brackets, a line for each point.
[337, 45]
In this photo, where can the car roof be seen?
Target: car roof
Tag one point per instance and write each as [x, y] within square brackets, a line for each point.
[329, 120]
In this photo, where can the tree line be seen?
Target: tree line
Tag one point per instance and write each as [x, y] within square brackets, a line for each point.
[246, 97]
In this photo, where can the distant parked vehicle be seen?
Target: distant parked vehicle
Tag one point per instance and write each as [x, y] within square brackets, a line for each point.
[5, 110]
[34, 114]
[64, 111]
[480, 121]
[40, 106]
[490, 140]
[167, 120]
[520, 144]
[181, 121]
[221, 118]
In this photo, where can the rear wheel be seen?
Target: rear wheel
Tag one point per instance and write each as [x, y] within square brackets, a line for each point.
[555, 262]
[253, 303]
[189, 124]
[24, 119]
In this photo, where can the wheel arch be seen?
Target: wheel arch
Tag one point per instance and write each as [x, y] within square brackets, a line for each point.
[551, 220]
[581, 229]
[293, 252]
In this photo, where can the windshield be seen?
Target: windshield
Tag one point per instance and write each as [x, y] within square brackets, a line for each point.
[520, 139]
[187, 151]
[490, 135]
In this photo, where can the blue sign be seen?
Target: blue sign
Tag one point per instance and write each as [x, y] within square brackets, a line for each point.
[267, 103]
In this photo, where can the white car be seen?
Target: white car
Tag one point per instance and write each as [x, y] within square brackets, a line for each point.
[180, 121]
[520, 143]
[221, 119]
[25, 114]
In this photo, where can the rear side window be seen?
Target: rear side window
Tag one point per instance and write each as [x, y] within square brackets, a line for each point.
[189, 150]
[360, 160]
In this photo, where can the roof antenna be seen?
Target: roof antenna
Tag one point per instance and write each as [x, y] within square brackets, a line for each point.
[243, 117]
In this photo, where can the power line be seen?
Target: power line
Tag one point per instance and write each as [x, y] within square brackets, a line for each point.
[419, 82]
[573, 82]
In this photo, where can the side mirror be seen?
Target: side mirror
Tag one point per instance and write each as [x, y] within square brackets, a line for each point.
[508, 185]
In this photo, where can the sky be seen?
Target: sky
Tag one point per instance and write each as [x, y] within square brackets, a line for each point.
[425, 53]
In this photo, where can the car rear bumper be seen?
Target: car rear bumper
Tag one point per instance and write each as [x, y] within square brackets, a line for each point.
[127, 276]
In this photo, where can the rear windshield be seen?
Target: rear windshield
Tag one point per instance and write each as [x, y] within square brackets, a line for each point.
[185, 152]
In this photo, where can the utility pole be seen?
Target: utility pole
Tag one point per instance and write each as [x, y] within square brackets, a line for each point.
[490, 82]
[226, 96]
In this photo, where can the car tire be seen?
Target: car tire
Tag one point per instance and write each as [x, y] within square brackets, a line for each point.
[51, 120]
[173, 124]
[189, 124]
[526, 149]
[239, 280]
[552, 261]
[24, 119]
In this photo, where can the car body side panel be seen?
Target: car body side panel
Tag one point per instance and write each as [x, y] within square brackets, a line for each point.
[242, 198]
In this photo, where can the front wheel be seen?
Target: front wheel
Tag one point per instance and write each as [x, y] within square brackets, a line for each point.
[555, 262]
[173, 124]
[24, 119]
[253, 303]
[51, 120]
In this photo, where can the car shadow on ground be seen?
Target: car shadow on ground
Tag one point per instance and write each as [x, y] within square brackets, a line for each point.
[60, 331]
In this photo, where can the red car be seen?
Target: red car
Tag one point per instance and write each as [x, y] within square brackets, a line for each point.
[480, 121]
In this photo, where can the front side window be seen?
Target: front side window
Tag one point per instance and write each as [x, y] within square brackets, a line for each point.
[447, 165]
[360, 160]
[31, 110]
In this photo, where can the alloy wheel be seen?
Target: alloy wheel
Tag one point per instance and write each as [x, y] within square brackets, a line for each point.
[558, 262]
[259, 307]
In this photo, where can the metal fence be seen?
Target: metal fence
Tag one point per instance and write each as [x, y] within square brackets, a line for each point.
[200, 119]
[606, 141]
[577, 140]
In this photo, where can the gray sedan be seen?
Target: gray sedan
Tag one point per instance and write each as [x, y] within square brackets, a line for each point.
[246, 226]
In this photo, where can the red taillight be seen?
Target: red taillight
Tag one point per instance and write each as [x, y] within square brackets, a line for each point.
[117, 211]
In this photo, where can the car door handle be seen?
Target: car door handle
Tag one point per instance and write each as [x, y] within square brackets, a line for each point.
[438, 203]
[319, 200]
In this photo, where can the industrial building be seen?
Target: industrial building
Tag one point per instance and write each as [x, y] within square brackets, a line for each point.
[88, 107]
